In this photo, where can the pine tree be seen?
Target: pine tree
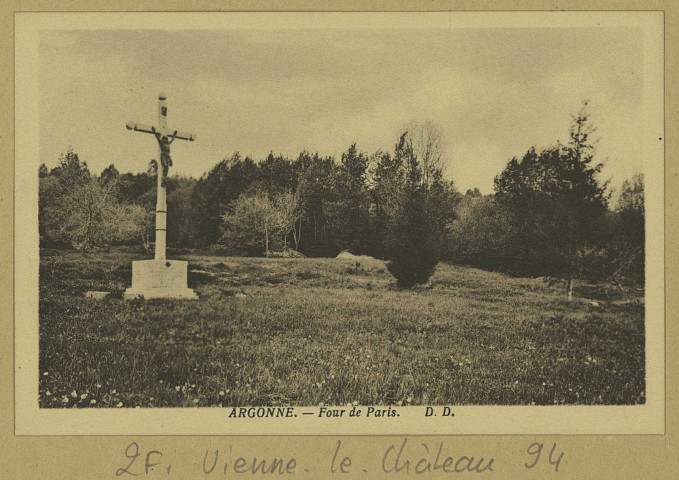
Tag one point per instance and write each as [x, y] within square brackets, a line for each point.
[555, 199]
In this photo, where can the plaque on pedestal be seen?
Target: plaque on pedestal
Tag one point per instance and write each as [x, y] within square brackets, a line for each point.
[159, 279]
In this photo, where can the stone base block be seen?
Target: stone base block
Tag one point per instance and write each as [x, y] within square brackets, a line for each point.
[159, 279]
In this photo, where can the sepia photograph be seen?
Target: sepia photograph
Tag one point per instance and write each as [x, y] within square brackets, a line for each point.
[342, 211]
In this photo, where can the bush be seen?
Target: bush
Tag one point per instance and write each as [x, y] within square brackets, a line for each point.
[412, 266]
[412, 247]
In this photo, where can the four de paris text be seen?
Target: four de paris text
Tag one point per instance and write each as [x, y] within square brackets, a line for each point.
[323, 412]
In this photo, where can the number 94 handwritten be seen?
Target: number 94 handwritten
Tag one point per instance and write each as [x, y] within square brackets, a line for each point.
[535, 451]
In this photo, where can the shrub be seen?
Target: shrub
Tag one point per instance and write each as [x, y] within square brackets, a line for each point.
[412, 266]
[412, 246]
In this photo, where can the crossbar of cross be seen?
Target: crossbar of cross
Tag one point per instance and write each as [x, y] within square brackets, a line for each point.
[165, 132]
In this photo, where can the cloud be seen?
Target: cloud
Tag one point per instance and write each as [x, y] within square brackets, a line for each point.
[494, 92]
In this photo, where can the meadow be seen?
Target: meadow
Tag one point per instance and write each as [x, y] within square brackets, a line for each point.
[309, 331]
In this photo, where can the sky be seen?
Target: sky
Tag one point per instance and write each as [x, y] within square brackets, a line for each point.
[493, 92]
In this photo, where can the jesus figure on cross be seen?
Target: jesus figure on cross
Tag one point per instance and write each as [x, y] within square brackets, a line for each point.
[165, 159]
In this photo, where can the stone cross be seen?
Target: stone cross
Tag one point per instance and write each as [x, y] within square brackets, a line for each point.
[160, 278]
[164, 136]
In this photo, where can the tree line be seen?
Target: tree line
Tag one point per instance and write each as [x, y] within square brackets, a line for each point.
[550, 214]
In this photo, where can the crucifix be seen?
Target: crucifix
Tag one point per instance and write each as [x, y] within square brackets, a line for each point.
[161, 278]
[164, 136]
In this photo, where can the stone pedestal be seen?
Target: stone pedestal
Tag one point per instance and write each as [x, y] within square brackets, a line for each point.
[159, 279]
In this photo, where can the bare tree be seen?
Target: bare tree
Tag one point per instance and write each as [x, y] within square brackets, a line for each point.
[427, 141]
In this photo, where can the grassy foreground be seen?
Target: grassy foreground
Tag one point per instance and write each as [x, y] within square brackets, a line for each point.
[330, 331]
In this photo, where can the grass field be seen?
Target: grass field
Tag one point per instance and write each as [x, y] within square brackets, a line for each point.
[312, 331]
